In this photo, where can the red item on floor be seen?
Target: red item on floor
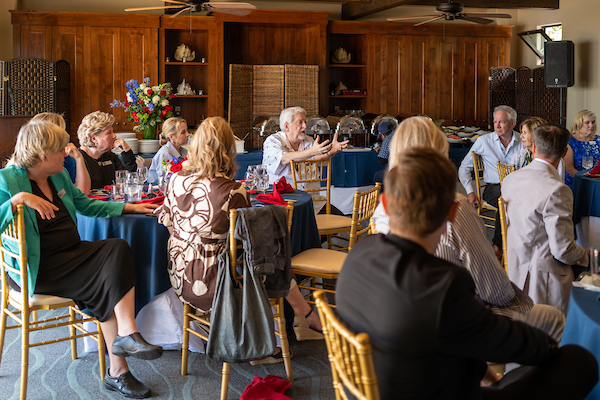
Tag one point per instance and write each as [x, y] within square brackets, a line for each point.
[268, 388]
[282, 186]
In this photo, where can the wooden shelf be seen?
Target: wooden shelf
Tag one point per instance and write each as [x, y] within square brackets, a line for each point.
[347, 66]
[339, 96]
[178, 63]
[191, 96]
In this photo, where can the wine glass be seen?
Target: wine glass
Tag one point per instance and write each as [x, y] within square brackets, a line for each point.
[250, 178]
[142, 174]
[587, 162]
[133, 178]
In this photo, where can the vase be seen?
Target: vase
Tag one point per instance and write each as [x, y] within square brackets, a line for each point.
[149, 132]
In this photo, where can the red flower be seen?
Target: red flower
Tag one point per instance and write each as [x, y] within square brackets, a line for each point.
[164, 112]
[127, 104]
[172, 95]
[150, 91]
[175, 167]
[146, 110]
[168, 107]
[141, 102]
[163, 92]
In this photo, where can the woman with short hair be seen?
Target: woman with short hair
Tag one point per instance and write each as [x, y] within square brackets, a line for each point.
[175, 131]
[97, 139]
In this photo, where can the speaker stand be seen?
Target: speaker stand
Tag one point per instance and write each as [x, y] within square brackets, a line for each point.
[560, 111]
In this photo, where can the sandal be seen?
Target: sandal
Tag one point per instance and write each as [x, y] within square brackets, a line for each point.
[303, 331]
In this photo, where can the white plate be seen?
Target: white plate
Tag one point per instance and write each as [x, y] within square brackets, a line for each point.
[358, 149]
[465, 134]
[125, 135]
[474, 139]
[470, 129]
[451, 140]
[454, 128]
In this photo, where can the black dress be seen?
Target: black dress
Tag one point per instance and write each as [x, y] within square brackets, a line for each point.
[96, 275]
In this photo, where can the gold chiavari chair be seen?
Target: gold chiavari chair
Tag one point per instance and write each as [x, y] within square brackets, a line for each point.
[489, 221]
[504, 230]
[504, 170]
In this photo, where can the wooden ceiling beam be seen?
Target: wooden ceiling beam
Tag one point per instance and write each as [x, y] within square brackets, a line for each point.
[356, 10]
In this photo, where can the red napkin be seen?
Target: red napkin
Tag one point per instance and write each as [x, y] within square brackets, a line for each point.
[268, 388]
[103, 198]
[272, 198]
[154, 200]
[282, 186]
[596, 169]
[107, 187]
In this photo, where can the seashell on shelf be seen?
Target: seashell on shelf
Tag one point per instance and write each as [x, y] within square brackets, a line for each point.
[183, 52]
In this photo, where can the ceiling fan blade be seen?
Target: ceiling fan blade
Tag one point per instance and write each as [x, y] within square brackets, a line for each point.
[430, 20]
[151, 8]
[486, 15]
[238, 9]
[230, 11]
[477, 20]
[231, 4]
[185, 3]
[181, 11]
[413, 17]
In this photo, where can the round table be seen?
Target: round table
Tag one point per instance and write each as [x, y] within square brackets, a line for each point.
[586, 209]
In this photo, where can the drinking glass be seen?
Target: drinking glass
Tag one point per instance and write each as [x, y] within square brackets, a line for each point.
[142, 174]
[120, 178]
[116, 193]
[133, 192]
[587, 162]
[250, 178]
[262, 179]
[594, 266]
[163, 182]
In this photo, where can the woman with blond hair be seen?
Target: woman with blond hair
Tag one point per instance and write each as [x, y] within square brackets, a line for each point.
[175, 131]
[583, 143]
[97, 139]
[196, 212]
[97, 275]
[74, 162]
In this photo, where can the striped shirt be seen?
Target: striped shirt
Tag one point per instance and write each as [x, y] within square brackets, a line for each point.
[465, 244]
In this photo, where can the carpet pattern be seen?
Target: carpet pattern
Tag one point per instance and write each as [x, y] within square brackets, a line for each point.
[53, 375]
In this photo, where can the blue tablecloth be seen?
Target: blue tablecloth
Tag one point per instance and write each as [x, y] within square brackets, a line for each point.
[458, 151]
[583, 326]
[148, 241]
[586, 197]
[348, 168]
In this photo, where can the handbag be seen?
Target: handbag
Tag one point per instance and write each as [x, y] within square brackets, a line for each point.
[241, 321]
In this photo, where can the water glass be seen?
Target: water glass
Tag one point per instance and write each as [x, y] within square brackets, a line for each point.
[117, 194]
[142, 174]
[120, 178]
[261, 178]
[133, 192]
[163, 182]
[587, 162]
[250, 178]
[594, 266]
[133, 178]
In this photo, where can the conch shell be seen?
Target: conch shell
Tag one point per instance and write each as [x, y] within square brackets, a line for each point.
[339, 88]
[340, 56]
[183, 51]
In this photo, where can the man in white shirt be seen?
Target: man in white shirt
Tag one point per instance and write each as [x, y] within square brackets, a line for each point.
[541, 247]
[498, 146]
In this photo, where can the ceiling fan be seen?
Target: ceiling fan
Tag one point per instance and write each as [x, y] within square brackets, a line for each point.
[233, 8]
[450, 11]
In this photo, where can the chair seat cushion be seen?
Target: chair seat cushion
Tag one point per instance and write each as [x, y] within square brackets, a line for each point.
[319, 260]
[330, 221]
[37, 299]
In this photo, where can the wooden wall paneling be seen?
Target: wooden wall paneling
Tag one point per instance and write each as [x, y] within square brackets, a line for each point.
[447, 74]
[216, 67]
[9, 129]
[67, 44]
[103, 78]
[468, 81]
[417, 72]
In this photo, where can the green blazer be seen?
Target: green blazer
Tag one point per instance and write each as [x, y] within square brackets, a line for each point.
[14, 180]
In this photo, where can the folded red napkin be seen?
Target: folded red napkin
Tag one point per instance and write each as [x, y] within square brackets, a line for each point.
[270, 387]
[272, 198]
[596, 169]
[103, 198]
[282, 186]
[154, 200]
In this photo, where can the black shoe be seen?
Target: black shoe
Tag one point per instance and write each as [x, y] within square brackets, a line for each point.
[127, 385]
[134, 345]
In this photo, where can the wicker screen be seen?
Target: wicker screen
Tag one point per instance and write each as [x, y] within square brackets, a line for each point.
[302, 87]
[240, 99]
[501, 89]
[268, 84]
[30, 86]
[62, 92]
[524, 94]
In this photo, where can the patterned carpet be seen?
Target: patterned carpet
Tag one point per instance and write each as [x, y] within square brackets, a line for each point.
[53, 375]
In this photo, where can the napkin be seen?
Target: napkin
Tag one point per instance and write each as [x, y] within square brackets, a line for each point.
[282, 186]
[270, 387]
[596, 169]
[272, 198]
[154, 200]
[103, 198]
[107, 187]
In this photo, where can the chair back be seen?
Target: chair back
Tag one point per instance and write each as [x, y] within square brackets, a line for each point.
[235, 246]
[478, 172]
[504, 170]
[363, 209]
[350, 355]
[372, 227]
[504, 230]
[317, 172]
[14, 252]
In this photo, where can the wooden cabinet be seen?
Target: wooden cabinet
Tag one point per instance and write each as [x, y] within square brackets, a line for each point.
[203, 73]
[103, 50]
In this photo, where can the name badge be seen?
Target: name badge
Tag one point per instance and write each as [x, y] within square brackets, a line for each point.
[105, 163]
[61, 193]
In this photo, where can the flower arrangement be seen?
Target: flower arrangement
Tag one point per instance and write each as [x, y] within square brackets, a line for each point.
[170, 167]
[147, 105]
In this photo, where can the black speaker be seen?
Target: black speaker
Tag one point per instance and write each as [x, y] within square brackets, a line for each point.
[559, 64]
